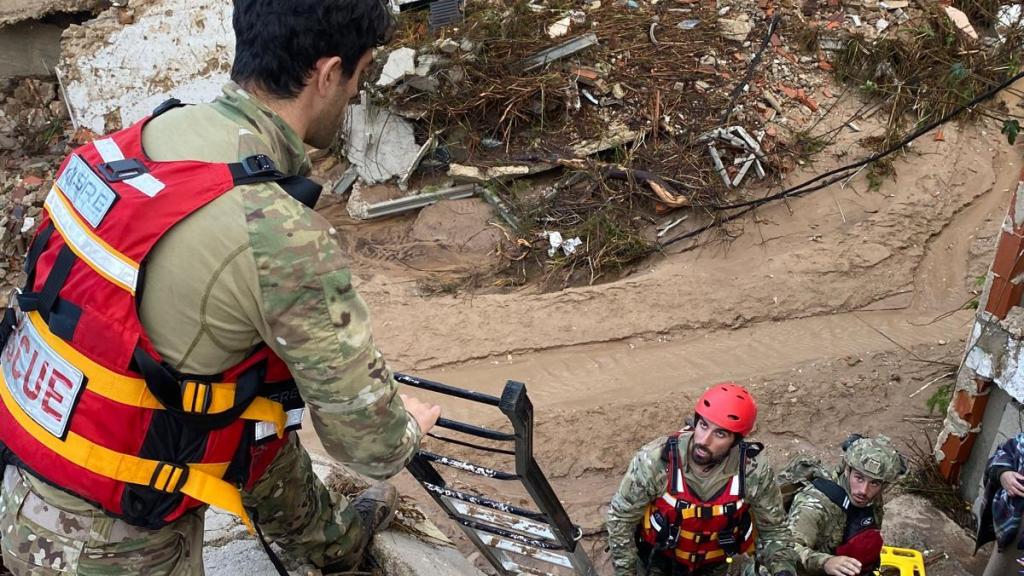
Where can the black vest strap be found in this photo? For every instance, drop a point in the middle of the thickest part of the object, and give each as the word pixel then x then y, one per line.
pixel 165 383
pixel 856 518
pixel 59 314
pixel 261 168
pixel 169 104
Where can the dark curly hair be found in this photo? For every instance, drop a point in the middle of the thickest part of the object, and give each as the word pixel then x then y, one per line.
pixel 277 43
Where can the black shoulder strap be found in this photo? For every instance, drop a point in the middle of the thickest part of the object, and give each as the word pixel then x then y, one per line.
pixel 261 168
pixel 169 104
pixel 833 491
pixel 302 189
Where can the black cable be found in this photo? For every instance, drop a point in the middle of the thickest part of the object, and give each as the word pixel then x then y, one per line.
pixel 754 63
pixel 837 174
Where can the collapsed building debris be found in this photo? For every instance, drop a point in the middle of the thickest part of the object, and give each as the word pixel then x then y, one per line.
pixel 14 11
pixel 110 81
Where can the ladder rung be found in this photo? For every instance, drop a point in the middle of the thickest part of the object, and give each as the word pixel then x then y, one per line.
pixel 485 502
pixel 478 431
pixel 444 388
pixel 506 522
pixel 468 467
pixel 507 534
pixel 527 551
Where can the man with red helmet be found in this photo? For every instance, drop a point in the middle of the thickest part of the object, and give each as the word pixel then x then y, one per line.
pixel 693 502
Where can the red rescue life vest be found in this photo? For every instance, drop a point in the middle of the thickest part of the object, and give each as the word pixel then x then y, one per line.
pixel 693 532
pixel 86 404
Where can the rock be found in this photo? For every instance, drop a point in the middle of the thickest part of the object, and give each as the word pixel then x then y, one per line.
pixel 737 29
pixel 447 45
pixel 427 84
pixel 463 225
pixel 400 63
pixel 426 63
pixel 559 28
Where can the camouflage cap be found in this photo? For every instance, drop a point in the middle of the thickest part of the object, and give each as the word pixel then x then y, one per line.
pixel 875 457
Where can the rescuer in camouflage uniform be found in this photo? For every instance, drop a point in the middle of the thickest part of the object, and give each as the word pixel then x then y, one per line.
pixel 255 266
pixel 819 525
pixel 711 457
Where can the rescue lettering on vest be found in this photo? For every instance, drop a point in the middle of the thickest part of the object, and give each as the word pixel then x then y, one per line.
pixel 45 385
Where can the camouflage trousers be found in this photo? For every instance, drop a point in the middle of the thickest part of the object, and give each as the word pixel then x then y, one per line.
pixel 41 535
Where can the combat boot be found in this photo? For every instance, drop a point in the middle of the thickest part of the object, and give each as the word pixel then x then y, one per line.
pixel 376 508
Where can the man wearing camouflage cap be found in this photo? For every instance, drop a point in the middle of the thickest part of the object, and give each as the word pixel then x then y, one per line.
pixel 836 519
pixel 184 305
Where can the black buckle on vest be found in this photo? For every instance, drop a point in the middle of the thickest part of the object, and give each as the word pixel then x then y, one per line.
pixel 119 170
pixel 260 165
pixel 702 538
pixel 174 481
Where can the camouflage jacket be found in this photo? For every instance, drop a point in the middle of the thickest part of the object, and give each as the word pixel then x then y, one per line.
pixel 817 525
pixel 646 480
pixel 256 266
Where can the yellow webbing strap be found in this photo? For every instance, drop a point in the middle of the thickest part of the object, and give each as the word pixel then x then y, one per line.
pixel 133 391
pixel 203 482
pixel 716 553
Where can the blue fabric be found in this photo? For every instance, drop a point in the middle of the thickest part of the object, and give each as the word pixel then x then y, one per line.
pixel 1006 510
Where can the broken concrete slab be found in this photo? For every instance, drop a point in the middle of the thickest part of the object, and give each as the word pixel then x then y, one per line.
pixel 29 49
pixel 13 11
pixel 110 82
pixel 400 554
pixel 380 144
pixel 401 62
pixel 737 29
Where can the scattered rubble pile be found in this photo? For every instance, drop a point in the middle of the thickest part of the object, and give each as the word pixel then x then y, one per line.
pixel 587 123
pixel 35 134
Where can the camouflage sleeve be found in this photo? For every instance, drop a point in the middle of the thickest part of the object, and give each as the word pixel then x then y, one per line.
pixel 316 322
pixel 644 481
pixel 769 518
pixel 808 519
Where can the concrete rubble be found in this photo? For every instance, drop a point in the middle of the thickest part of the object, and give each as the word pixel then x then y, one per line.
pixel 110 82
pixel 13 11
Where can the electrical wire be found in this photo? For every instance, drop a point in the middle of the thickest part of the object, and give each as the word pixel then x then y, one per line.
pixel 832 176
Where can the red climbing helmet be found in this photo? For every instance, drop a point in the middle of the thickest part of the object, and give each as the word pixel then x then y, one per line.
pixel 728 405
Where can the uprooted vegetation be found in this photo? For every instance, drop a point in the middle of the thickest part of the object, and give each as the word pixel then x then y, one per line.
pixel 929 67
pixel 617 130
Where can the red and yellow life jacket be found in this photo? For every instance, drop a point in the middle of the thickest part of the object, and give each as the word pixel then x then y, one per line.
pixel 86 403
pixel 693 532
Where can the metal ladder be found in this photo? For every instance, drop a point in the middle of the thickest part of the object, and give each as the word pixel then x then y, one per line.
pixel 544 536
